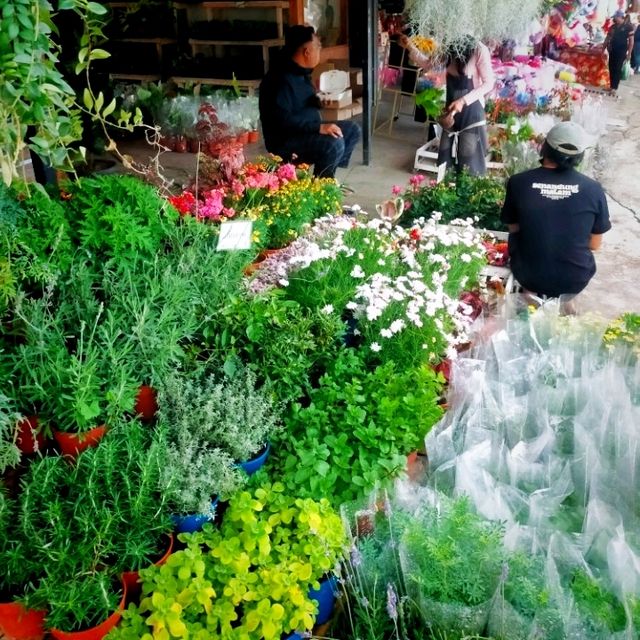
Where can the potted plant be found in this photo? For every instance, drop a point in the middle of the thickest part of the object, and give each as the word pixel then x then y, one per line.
pixel 16 621
pixel 357 428
pixel 452 562
pixel 81 526
pixel 69 376
pixel 250 578
pixel 9 434
pixel 196 470
pixel 230 411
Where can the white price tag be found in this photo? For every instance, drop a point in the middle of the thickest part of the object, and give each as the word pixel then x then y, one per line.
pixel 442 169
pixel 235 235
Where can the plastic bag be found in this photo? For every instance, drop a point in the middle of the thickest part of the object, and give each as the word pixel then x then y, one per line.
pixel 626 70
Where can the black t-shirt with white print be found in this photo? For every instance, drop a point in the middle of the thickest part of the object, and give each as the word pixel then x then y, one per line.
pixel 557 212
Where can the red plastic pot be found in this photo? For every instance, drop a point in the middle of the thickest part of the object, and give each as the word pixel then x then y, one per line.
pixel 254 136
pixel 98 632
pixel 242 138
pixel 146 404
pixel 29 438
pixel 71 444
pixel 131 579
pixel 18 623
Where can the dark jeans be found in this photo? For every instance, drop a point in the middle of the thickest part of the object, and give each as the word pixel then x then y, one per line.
pixel 325 152
pixel 616 60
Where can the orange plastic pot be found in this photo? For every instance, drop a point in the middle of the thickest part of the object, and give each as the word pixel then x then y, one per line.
pixel 98 632
pixel 29 438
pixel 18 623
pixel 146 404
pixel 71 444
pixel 131 579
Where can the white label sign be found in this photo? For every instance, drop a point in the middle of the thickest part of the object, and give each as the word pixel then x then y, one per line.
pixel 235 235
pixel 442 169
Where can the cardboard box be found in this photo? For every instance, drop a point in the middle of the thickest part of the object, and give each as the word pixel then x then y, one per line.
pixel 337 100
pixel 329 115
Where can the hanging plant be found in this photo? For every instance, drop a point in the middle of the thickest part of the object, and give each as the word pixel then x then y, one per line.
pixel 449 21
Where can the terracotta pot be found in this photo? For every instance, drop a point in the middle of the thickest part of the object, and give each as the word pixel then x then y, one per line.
pixel 98 632
pixel 29 438
pixel 254 136
pixel 146 404
pixel 71 444
pixel 131 579
pixel 250 269
pixel 18 623
pixel 181 144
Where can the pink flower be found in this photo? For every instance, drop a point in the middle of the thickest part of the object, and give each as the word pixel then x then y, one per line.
pixel 407 205
pixel 237 187
pixel 273 182
pixel 287 172
pixel 212 206
pixel 396 189
pixel 229 212
pixel 416 180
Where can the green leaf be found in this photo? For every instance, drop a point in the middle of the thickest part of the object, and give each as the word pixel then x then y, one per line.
pixel 66 4
pixel 97 9
pixel 109 109
pixel 87 99
pixel 99 54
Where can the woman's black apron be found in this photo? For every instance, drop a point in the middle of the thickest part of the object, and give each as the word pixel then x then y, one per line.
pixel 465 145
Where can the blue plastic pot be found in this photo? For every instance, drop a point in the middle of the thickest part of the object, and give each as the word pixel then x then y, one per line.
pixel 325 596
pixel 251 466
pixel 193 522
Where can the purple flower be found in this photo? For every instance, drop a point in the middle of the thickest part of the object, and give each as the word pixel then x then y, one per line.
pixel 392 602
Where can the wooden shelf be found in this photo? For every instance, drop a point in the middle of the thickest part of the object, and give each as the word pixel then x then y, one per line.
pixel 159 41
pixel 274 42
pixel 256 4
pixel 249 85
pixel 140 77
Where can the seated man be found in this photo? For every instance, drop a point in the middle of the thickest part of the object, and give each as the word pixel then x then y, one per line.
pixel 290 110
pixel 556 217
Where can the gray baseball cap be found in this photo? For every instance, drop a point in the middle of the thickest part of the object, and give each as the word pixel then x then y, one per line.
pixel 568 138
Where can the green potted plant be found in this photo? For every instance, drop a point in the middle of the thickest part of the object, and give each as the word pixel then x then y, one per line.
pixel 197 470
pixel 16 621
pixel 9 421
pixel 357 428
pixel 250 578
pixel 66 370
pixel 81 526
pixel 452 562
pixel 230 412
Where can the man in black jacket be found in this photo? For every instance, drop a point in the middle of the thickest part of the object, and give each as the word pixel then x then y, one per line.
pixel 290 110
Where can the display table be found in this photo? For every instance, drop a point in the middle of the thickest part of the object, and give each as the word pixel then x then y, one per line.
pixel 591 67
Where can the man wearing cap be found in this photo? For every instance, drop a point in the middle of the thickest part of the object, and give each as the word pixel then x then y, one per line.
pixel 618 46
pixel 290 110
pixel 556 217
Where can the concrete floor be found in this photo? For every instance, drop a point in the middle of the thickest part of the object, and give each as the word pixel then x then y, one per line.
pixel 612 291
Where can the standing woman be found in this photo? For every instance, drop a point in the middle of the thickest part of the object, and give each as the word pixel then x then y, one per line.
pixel 618 46
pixel 463 143
pixel 635 56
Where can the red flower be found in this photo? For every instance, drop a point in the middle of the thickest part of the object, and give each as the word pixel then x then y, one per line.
pixel 414 234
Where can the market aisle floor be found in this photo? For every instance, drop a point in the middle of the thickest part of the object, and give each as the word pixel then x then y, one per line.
pixel 613 290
